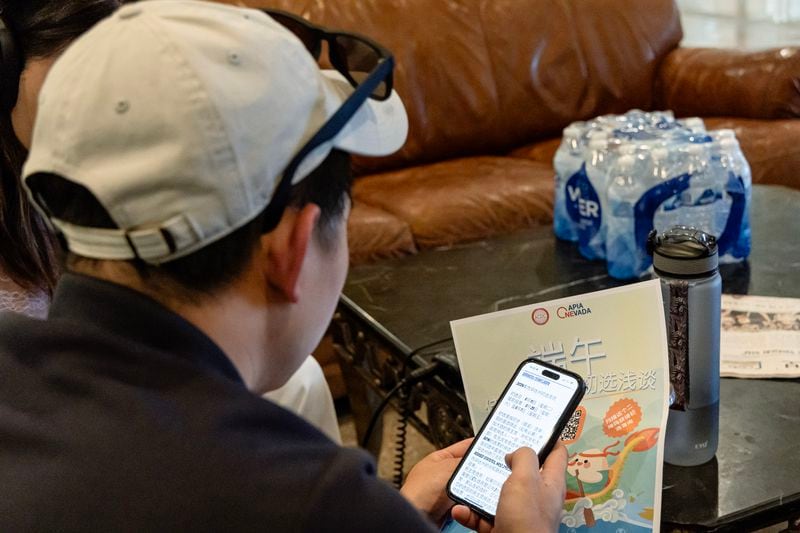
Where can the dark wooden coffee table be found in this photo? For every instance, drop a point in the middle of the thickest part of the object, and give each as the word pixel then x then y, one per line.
pixel 394 317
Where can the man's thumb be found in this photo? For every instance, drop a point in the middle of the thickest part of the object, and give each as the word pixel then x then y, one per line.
pixel 524 460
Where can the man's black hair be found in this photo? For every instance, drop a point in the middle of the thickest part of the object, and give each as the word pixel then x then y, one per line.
pixel 218 264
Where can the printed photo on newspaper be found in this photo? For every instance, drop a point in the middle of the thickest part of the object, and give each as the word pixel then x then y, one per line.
pixel 616 340
pixel 760 337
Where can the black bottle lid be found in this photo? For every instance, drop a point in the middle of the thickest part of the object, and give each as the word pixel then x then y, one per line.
pixel 683 251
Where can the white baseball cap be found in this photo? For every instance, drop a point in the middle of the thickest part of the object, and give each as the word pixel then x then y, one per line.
pixel 180 117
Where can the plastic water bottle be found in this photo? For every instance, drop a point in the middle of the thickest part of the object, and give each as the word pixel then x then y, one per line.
pixel 568 161
pixel 661 206
pixel 658 117
pixel 607 123
pixel 635 134
pixel 700 202
pixel 731 209
pixel 685 260
pixel 721 163
pixel 590 209
pixel 663 121
pixel 625 258
pixel 662 168
pixel 739 182
pixel 694 124
pixel 678 174
pixel 725 133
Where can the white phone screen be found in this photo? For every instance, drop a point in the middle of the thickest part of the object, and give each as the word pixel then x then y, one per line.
pixel 526 416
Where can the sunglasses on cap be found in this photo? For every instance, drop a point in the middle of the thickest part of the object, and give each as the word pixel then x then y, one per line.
pixel 354 56
pixel 365 64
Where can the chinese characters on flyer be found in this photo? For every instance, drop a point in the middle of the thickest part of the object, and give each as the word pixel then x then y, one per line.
pixel 616 340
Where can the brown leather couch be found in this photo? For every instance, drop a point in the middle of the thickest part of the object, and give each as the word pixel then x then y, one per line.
pixel 489 85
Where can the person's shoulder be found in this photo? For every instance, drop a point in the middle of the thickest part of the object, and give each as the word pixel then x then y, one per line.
pixel 27 330
pixel 13 322
pixel 20 338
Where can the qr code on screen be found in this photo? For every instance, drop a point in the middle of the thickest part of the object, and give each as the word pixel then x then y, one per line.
pixel 572 431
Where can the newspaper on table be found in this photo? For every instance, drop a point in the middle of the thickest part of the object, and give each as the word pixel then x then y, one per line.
pixel 760 337
pixel 616 340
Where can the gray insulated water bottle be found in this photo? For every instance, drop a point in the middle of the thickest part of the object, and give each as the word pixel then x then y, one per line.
pixel 685 259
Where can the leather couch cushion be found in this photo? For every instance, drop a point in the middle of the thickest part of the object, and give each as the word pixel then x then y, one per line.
pixel 463 199
pixel 372 233
pixel 542 151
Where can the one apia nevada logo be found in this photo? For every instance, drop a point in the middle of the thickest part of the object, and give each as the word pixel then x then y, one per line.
pixel 573 311
pixel 540 316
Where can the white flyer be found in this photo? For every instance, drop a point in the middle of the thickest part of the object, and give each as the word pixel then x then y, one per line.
pixel 616 340
pixel 760 337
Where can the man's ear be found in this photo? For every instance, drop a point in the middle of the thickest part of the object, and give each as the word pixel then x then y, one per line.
pixel 287 248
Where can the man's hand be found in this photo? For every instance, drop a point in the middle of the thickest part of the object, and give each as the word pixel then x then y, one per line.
pixel 530 500
pixel 426 482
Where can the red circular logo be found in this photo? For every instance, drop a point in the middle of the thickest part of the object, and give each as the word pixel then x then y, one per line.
pixel 540 316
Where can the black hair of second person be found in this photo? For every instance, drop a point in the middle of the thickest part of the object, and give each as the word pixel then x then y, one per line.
pixel 215 266
pixel 41 28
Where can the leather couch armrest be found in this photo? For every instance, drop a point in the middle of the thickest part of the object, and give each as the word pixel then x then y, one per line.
pixel 716 82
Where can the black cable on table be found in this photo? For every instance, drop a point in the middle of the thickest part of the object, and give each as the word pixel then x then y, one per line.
pixel 405 411
pixel 414 377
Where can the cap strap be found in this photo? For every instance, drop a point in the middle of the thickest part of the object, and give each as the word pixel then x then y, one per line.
pixel 153 244
pixel 95 243
pixel 156 243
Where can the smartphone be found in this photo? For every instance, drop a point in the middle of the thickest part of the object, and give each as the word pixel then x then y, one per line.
pixel 532 411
